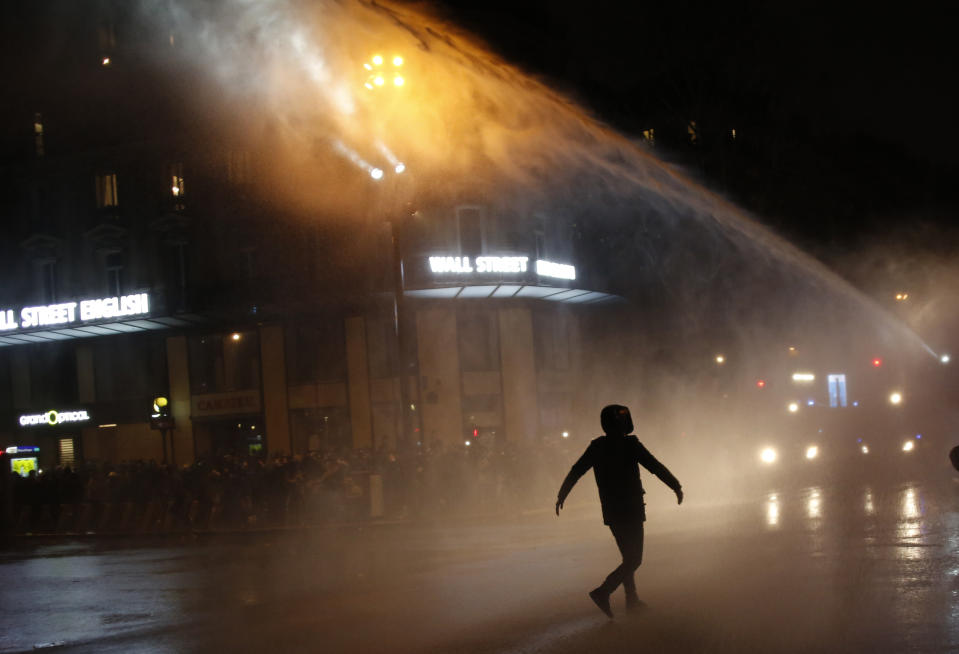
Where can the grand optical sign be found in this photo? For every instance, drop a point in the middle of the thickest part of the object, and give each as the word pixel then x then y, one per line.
pixel 70 313
pixel 53 418
pixel 499 265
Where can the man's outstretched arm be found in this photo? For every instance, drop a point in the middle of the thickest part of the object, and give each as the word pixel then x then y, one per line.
pixel 579 469
pixel 651 463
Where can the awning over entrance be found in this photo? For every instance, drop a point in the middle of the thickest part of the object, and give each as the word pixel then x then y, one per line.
pixel 551 293
pixel 104 329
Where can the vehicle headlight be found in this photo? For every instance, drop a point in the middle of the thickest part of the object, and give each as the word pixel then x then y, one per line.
pixel 767 455
pixel 908 446
pixel 812 452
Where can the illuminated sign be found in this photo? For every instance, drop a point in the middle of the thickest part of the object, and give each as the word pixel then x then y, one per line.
pixel 803 377
pixel 67 313
pixel 559 270
pixel 23 449
pixel 23 466
pixel 223 404
pixel 53 418
pixel 498 265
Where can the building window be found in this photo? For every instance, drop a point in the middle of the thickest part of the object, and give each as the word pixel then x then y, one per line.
pixel 113 264
pixel 837 390
pixel 649 135
pixel 693 132
pixel 107 190
pixel 470 227
pixel 38 134
pixel 177 185
pixel 224 362
pixel 316 353
pixel 47 278
pixel 478 338
pixel 129 369
pixel 53 374
pixel 67 457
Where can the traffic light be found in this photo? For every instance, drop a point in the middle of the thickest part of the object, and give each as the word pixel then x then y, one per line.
pixel 760 383
pixel 876 362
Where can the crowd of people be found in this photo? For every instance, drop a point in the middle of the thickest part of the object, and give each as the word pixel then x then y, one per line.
pixel 231 491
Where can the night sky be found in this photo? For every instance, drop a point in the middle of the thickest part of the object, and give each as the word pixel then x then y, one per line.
pixel 844 120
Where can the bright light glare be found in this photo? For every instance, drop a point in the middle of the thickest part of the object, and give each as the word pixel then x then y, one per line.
pixel 865 449
pixel 377 60
pixel 768 455
pixel 397 61
pixel 565 434
pixel 720 359
pixel 793 407
pixel 398 80
pixel 376 173
pixel 378 80
pixel 945 358
pixel 399 168
pixel 803 377
pixel 908 446
pixel 812 452
pixel 106 61
pixel 895 398
pixel 468 443
pixel 235 336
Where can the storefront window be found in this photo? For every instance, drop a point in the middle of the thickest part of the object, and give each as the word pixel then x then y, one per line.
pixel 321 430
pixel 224 362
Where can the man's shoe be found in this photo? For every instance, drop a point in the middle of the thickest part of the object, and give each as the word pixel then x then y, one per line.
pixel 601 599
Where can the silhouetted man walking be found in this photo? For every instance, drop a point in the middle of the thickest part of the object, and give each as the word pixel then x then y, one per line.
pixel 613 458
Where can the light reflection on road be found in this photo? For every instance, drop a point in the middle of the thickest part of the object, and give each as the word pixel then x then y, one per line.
pixel 772 510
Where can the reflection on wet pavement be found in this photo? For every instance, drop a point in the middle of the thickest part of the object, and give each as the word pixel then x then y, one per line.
pixel 858 567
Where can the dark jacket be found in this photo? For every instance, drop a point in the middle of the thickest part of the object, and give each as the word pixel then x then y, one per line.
pixel 613 460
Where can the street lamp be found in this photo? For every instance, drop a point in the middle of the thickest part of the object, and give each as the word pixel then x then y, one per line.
pixel 378 70
pixel 895 398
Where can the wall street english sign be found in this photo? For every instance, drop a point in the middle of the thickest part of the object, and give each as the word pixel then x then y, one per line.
pixel 65 314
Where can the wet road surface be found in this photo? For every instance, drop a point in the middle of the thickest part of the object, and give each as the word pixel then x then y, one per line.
pixel 813 568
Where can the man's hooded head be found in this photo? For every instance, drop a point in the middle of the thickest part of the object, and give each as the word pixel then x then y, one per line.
pixel 616 420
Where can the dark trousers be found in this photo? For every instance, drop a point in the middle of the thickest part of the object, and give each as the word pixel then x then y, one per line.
pixel 629 539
